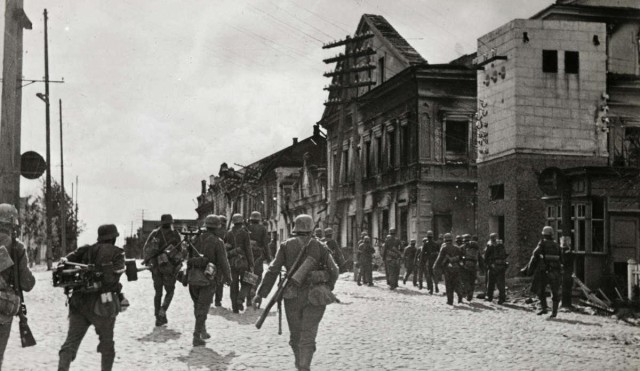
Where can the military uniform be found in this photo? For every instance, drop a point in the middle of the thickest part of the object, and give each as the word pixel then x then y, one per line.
pixel 303 317
pixel 472 259
pixel 449 259
pixel 409 255
pixel 365 255
pixel 241 260
pixel 391 256
pixel 96 308
pixel 259 240
pixel 227 239
pixel 336 251
pixel 427 258
pixel 495 258
pixel 27 281
pixel 164 277
pixel 212 250
pixel 546 266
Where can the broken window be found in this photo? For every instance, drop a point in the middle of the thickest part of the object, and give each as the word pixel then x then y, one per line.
pixel 571 62
pixel 550 61
pixel 457 136
pixel 497 192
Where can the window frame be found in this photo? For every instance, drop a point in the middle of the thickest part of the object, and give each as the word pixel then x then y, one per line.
pixel 547 58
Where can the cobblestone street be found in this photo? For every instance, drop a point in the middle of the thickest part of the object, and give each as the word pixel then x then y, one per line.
pixel 373 328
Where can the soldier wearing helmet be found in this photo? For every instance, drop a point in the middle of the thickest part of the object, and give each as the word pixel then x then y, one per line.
pixel 449 259
pixel 392 256
pixel 15 248
pixel 224 235
pixel 473 261
pixel 409 256
pixel 96 308
pixel 336 251
pixel 495 260
pixel 162 266
pixel 365 258
pixel 209 251
pixel 318 234
pixel 426 258
pixel 459 240
pixel 303 316
pixel 546 266
pixel 363 234
pixel 241 260
pixel 259 239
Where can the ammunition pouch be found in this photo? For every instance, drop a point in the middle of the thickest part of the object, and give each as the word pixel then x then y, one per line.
pixel 300 275
pixel 249 278
pixel 108 305
pixel 321 295
pixel 9 305
pixel 316 277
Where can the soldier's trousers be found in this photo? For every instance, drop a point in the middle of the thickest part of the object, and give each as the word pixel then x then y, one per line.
pixel 411 269
pixel 393 272
pixel 495 278
pixel 166 282
pixel 239 290
pixel 5 331
pixel 554 280
pixel 469 277
pixel 452 284
pixel 366 272
pixel 303 320
pixel 428 273
pixel 258 269
pixel 79 322
pixel 202 297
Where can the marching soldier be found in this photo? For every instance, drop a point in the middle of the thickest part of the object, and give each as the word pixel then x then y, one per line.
pixel 427 258
pixel 409 255
pixel 336 251
pixel 391 256
pixel 259 240
pixel 449 260
pixel 459 240
pixel 303 313
pixel 223 234
pixel 273 244
pixel 162 266
pixel 208 267
pixel 365 252
pixel 495 258
pixel 319 235
pixel 547 267
pixel 16 250
pixel 359 257
pixel 97 308
pixel 472 261
pixel 241 260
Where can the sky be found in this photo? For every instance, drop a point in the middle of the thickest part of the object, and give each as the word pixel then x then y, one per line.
pixel 157 94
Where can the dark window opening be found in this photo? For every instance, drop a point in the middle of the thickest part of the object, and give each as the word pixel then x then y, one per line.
pixel 381 69
pixel 597 208
pixel 550 61
pixel 379 154
pixel 406 144
pixel 457 136
pixel 385 223
pixel 571 62
pixel 345 165
pixel 442 224
pixel 391 145
pixel 497 192
pixel 597 236
pixel 367 159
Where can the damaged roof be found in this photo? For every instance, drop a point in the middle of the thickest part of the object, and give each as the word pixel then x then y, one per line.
pixel 380 24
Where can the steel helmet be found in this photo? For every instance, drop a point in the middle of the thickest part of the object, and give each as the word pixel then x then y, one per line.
pixel 466 237
pixel 255 215
pixel 237 219
pixel 328 232
pixel 547 231
pixel 364 233
pixel 366 239
pixel 447 237
pixel 303 224
pixel 166 219
pixel 223 219
pixel 392 231
pixel 212 221
pixel 413 242
pixel 429 233
pixel 318 232
pixel 8 214
pixel 107 232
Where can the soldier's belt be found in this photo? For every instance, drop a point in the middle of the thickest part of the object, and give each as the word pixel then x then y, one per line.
pixel 552 257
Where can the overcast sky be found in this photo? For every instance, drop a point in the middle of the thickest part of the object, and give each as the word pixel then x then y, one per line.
pixel 158 94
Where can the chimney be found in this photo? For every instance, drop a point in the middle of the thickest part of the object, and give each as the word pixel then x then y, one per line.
pixel 203 188
pixel 295 141
pixel 316 130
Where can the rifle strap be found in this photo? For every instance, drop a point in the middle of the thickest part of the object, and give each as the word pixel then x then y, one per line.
pixel 16 264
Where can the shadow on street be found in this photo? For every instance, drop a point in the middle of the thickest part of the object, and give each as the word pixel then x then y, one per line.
pixel 161 334
pixel 574 322
pixel 206 357
pixel 248 317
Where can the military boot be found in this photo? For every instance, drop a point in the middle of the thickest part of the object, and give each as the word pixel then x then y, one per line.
pixel 197 340
pixel 543 306
pixel 162 317
pixel 107 361
pixel 554 310
pixel 296 355
pixel 65 361
pixel 304 358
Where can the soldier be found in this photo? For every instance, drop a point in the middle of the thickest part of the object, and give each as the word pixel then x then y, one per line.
pixel 391 256
pixel 96 308
pixel 459 240
pixel 273 244
pixel 163 267
pixel 259 240
pixel 16 250
pixel 495 258
pixel 545 261
pixel 359 257
pixel 409 255
pixel 427 257
pixel 303 316
pixel 202 285
pixel 336 251
pixel 319 235
pixel 223 234
pixel 472 261
pixel 241 260
pixel 449 259
pixel 365 252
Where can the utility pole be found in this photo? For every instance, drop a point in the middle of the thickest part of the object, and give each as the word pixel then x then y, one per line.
pixel 76 215
pixel 63 198
pixel 47 196
pixel 347 74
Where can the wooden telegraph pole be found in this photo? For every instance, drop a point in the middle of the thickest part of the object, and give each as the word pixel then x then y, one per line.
pixel 346 76
pixel 63 200
pixel 47 196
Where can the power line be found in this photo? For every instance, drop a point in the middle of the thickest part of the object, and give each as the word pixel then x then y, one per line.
pixel 307 24
pixel 293 28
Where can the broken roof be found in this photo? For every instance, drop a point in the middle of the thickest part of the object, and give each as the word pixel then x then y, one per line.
pixel 385 29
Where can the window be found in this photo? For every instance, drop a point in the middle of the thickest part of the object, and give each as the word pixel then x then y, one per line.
pixel 379 154
pixel 391 146
pixel 550 61
pixel 588 233
pixel 457 136
pixel 367 159
pixel 385 223
pixel 580 226
pixel 597 224
pixel 571 62
pixel 381 70
pixel 406 144
pixel 497 192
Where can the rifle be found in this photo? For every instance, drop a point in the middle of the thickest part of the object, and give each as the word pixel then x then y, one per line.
pixel 26 337
pixel 282 285
pixel 279 308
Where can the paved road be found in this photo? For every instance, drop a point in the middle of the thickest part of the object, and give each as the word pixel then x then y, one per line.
pixel 373 329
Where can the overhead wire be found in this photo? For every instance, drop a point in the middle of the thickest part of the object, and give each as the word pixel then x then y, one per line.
pixel 287 25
